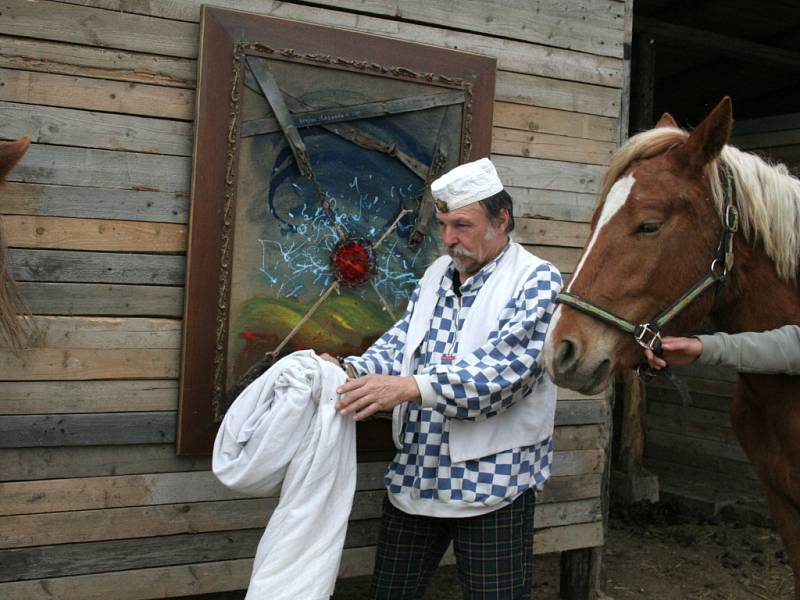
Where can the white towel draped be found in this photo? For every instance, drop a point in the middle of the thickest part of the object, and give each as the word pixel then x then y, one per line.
pixel 284 432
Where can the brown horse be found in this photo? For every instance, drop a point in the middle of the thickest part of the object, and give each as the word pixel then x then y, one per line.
pixel 12 329
pixel 656 231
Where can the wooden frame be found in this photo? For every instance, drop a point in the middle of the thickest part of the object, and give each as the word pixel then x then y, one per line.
pixel 232 43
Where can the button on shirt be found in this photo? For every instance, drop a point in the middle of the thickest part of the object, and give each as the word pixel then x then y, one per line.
pixel 421 479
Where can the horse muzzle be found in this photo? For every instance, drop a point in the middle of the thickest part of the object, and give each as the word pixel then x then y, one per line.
pixel 570 366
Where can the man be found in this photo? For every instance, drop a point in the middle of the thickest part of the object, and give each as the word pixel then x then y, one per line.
pixel 473 409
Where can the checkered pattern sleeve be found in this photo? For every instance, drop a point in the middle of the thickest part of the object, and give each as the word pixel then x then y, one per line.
pixel 487 381
pixel 385 356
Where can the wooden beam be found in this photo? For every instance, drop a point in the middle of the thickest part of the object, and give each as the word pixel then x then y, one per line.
pixel 643 66
pixel 720 45
pixel 102 299
pixel 60 233
pixel 96 267
pixel 95 203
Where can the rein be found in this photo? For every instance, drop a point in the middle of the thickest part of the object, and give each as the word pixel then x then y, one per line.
pixel 648 335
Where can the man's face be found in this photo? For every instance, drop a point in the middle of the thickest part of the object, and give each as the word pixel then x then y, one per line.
pixel 470 238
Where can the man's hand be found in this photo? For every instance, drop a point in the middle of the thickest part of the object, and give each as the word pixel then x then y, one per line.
pixel 675 351
pixel 367 395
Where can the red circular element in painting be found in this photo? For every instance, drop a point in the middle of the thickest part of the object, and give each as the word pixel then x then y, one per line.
pixel 352 261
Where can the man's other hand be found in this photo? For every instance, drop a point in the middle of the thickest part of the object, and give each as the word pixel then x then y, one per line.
pixel 367 395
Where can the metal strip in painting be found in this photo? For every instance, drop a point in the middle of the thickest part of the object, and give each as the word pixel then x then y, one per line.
pixel 369 110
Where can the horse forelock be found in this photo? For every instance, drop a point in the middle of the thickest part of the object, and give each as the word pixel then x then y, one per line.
pixel 767 195
pixel 641 146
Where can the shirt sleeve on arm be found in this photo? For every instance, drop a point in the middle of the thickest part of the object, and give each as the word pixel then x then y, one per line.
pixel 503 370
pixel 773 351
pixel 385 356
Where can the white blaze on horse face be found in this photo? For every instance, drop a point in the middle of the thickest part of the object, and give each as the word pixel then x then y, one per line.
pixel 617 196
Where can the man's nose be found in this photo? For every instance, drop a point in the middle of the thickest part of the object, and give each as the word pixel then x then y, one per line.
pixel 448 239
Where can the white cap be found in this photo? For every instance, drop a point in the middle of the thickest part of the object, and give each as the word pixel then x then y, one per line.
pixel 466 184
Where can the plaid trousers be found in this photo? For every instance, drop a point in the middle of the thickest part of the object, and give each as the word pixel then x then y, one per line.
pixel 494 552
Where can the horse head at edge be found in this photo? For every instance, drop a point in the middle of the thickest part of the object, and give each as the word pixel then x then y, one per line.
pixel 13 330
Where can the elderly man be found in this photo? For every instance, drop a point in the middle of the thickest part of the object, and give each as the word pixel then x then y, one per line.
pixel 473 409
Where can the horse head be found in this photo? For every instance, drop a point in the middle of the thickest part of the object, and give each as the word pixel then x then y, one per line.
pixel 654 233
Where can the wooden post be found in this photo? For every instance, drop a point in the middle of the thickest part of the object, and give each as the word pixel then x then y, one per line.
pixel 630 481
pixel 582 575
pixel 643 64
pixel 631 447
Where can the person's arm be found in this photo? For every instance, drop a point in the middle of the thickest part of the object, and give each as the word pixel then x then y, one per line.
pixel 773 351
pixel 384 357
pixel 503 370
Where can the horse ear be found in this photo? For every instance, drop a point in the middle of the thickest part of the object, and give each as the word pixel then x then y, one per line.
pixel 10 153
pixel 667 120
pixel 706 142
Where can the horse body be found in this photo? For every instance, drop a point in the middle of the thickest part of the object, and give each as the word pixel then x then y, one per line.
pixel 656 231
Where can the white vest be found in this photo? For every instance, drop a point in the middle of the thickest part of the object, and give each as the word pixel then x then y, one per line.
pixel 526 422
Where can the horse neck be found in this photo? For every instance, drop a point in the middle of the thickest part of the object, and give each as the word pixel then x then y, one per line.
pixel 755 298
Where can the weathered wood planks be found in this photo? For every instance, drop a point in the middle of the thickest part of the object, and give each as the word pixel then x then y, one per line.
pixel 97 216
pixel 48 89
pixel 94 234
pixel 147 427
pixel 102 299
pixel 96 267
pixel 98 203
pixel 64 165
pixel 101 63
pixel 65 397
pixel 205 577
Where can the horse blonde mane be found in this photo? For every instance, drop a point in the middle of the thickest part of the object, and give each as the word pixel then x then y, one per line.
pixel 767 195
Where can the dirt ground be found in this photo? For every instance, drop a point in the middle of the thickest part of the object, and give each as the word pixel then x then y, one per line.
pixel 658 551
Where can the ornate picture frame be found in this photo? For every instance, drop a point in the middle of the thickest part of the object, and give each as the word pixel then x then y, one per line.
pixel 310 215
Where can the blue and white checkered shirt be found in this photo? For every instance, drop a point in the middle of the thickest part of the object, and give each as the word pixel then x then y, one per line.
pixel 421 479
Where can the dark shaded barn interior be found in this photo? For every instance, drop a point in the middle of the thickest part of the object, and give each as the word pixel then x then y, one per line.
pixel 688 54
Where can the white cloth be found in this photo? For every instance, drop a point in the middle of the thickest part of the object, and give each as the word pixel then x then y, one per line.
pixel 283 432
pixel 466 184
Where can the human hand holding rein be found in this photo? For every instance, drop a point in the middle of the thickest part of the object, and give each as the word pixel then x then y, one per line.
pixel 675 351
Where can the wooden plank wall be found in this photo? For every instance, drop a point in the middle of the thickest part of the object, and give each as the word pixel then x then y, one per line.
pixel 696 442
pixel 94 503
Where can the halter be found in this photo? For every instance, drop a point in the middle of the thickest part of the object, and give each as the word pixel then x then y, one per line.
pixel 648 335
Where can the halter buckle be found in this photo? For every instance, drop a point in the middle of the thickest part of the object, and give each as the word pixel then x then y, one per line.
pixel 719 267
pixel 648 336
pixel 731 218
pixel 645 373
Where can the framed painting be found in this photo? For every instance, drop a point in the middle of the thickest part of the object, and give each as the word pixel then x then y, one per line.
pixel 311 217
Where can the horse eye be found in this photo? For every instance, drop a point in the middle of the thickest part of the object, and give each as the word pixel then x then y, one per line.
pixel 648 227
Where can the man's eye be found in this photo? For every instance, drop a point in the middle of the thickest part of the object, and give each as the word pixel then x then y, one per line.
pixel 648 227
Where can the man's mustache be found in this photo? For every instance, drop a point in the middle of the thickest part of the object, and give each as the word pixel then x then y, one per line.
pixel 455 251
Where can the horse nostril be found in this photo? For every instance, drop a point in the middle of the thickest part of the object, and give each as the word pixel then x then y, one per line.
pixel 567 356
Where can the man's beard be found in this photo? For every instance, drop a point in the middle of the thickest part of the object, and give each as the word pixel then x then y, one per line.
pixel 456 252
